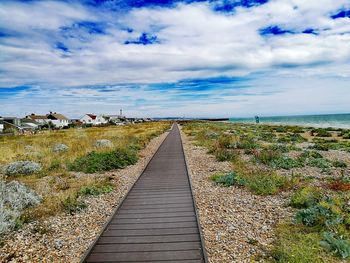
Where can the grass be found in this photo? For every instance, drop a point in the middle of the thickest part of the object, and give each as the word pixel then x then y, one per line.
pixel 305 197
pixel 56 183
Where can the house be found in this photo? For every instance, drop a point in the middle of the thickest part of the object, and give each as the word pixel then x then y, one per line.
pixel 94 119
pixel 42 119
pixel 57 119
pixel 17 124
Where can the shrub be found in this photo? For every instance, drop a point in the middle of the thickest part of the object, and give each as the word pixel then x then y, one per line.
pixel 15 197
pixel 22 168
pixel 321 133
pixel 345 135
pixel 337 246
pixel 285 162
pixel 60 147
pixel 54 165
pixel 225 155
pixel 265 182
pixel 305 197
pixel 72 204
pixel 104 161
pixel 281 129
pixel 339 164
pixel 226 141
pixel 321 146
pixel 96 189
pixel 319 162
pixel 228 179
pixel 311 154
pixel 103 143
pixel 266 156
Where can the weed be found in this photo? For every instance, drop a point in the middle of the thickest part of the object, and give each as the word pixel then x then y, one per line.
pixel 339 164
pixel 285 162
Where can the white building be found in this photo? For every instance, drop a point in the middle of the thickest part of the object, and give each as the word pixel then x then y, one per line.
pixel 94 119
pixel 1 127
pixel 58 120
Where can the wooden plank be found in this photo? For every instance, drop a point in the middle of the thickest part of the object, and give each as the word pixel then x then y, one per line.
pixel 150 232
pixel 147 247
pixel 157 215
pixel 154 220
pixel 154 226
pixel 145 256
pixel 149 239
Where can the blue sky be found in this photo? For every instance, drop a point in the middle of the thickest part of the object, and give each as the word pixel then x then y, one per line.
pixel 175 58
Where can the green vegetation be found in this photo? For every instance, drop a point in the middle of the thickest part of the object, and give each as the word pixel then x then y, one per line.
pixel 305 197
pixel 104 161
pixel 96 189
pixel 320 228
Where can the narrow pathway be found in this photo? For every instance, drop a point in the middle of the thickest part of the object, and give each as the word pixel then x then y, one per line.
pixel 157 220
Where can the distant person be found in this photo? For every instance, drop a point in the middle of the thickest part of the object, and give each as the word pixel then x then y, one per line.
pixel 257 120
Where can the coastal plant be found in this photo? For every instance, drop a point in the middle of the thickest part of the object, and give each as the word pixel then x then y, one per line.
pixel 285 162
pixel 265 182
pixel 305 197
pixel 321 133
pixel 22 168
pixel 60 147
pixel 103 143
pixel 96 189
pixel 339 164
pixel 338 246
pixel 104 161
pixel 266 156
pixel 227 179
pixel 72 204
pixel 14 198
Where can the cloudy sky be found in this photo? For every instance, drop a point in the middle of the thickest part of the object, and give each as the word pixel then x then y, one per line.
pixel 215 58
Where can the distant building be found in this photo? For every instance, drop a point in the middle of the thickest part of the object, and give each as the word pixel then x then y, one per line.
pixel 42 119
pixel 58 120
pixel 1 125
pixel 94 119
pixel 17 124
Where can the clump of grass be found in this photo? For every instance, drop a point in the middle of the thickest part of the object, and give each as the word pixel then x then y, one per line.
pixel 104 161
pixel 305 197
pixel 266 156
pixel 296 244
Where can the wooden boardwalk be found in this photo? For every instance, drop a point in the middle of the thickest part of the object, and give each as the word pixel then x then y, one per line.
pixel 157 221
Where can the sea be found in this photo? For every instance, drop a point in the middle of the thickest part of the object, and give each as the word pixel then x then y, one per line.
pixel 322 121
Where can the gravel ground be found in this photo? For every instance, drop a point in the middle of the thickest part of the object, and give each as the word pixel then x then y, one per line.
pixel 237 225
pixel 65 238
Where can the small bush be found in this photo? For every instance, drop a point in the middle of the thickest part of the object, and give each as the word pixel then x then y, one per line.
pixel 15 197
pixel 339 164
pixel 265 182
pixel 223 154
pixel 305 197
pixel 60 147
pixel 55 164
pixel 96 189
pixel 320 133
pixel 337 246
pixel 319 163
pixel 104 161
pixel 266 156
pixel 228 179
pixel 285 162
pixel 22 168
pixel 72 204
pixel 103 143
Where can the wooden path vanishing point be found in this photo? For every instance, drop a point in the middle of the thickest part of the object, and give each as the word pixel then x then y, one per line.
pixel 157 221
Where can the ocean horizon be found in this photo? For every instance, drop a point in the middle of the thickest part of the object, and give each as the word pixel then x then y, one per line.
pixel 321 120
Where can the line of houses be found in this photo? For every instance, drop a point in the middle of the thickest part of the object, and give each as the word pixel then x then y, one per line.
pixel 54 120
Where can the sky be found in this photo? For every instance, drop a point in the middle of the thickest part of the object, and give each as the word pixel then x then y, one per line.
pixel 160 58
